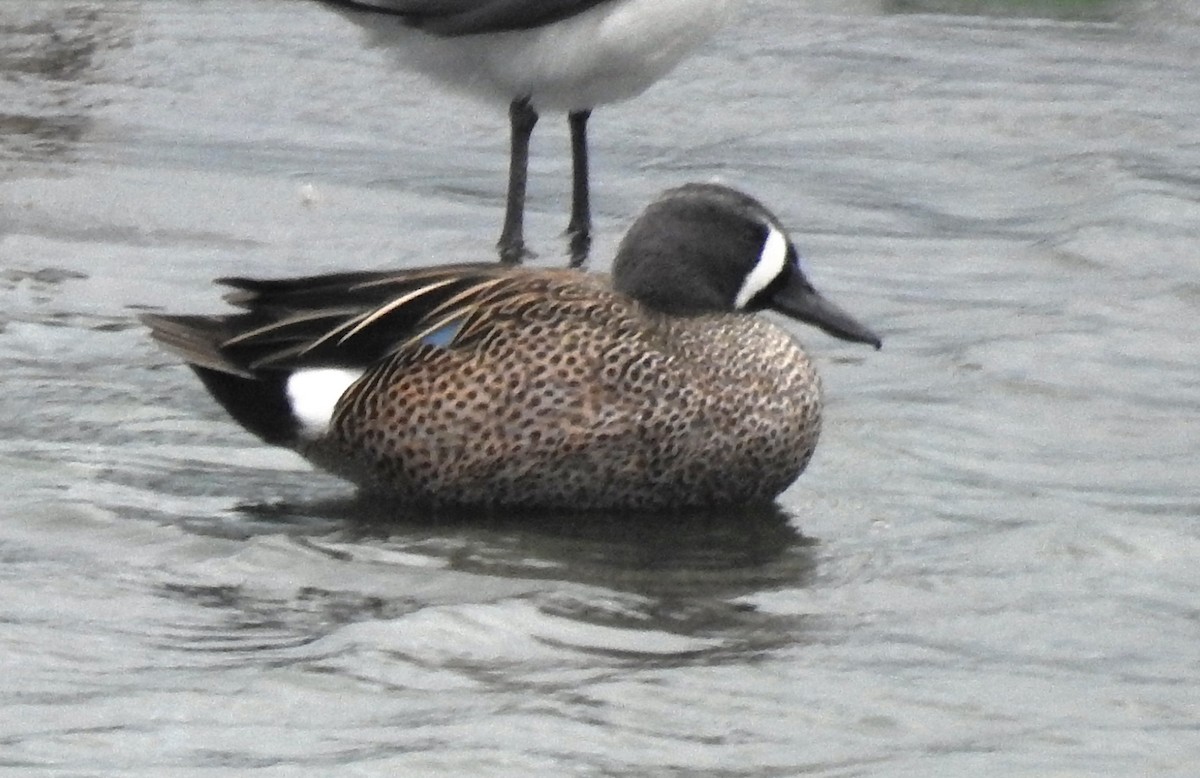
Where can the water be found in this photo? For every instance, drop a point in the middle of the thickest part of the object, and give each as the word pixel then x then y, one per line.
pixel 989 567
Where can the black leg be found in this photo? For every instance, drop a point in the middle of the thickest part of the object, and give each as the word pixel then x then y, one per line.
pixel 522 119
pixel 579 230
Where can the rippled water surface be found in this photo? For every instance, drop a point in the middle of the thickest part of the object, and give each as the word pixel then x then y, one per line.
pixel 989 568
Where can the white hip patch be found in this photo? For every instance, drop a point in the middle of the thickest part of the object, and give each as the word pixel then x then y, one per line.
pixel 314 394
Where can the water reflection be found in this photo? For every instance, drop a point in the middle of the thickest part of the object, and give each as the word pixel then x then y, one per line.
pixel 650 588
pixel 48 55
pixel 724 553
pixel 1066 10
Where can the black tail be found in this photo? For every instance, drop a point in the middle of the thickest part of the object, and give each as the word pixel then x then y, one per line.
pixel 259 403
pixel 257 400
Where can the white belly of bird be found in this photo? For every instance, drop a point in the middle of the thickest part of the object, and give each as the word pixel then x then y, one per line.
pixel 608 53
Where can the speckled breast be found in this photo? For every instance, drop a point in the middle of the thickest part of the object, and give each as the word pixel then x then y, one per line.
pixel 578 398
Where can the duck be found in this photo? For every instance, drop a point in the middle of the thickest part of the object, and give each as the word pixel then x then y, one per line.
pixel 484 386
pixel 541 55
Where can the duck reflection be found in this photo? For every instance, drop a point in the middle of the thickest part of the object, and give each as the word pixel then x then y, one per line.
pixel 476 592
pixel 723 552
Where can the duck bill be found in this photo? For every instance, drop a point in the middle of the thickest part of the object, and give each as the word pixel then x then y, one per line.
pixel 801 302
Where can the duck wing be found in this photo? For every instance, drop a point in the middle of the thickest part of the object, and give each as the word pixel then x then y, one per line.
pixel 348 320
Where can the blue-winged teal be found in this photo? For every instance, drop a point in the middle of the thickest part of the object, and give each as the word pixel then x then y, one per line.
pixel 507 386
pixel 556 55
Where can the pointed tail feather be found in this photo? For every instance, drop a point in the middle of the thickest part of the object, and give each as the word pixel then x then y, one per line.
pixel 194 339
pixel 257 401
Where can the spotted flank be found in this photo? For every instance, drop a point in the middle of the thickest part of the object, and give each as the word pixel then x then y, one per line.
pixel 499 386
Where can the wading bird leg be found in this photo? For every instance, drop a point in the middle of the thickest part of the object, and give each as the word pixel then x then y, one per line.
pixel 522 118
pixel 579 230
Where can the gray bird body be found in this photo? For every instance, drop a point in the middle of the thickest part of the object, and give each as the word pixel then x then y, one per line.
pixel 536 56
pixel 560 55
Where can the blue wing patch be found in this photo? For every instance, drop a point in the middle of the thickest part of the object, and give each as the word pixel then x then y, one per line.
pixel 443 336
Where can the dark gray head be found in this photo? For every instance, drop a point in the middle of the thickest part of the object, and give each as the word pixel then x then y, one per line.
pixel 706 248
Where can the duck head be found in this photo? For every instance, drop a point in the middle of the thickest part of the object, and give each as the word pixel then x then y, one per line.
pixel 707 248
